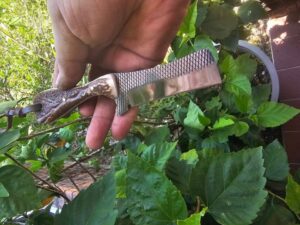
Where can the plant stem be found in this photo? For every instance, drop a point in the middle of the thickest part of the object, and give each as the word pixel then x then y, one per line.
pixel 85 169
pixel 283 200
pixel 81 160
pixel 48 189
pixel 53 129
pixel 198 204
pixel 277 196
pixel 60 192
pixel 154 122
pixel 74 184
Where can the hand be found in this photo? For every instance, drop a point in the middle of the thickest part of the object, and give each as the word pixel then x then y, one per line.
pixel 114 36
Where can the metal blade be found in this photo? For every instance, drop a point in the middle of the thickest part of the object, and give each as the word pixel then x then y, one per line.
pixel 206 77
pixel 197 70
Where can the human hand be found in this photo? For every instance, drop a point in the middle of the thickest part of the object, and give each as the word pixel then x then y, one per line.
pixel 114 36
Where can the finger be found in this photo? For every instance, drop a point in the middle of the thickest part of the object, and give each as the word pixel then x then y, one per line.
pixel 121 124
pixel 100 123
pixel 87 108
pixel 71 52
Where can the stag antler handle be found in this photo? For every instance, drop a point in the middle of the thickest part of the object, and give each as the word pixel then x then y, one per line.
pixel 57 103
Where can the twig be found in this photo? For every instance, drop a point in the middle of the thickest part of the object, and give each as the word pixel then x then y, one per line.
pixel 60 192
pixel 198 204
pixel 170 121
pixel 85 169
pixel 53 129
pixel 81 160
pixel 277 196
pixel 48 189
pixel 73 182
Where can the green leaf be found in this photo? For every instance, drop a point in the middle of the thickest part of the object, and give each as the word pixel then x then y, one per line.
pixel 231 185
pixel 191 157
pixel 188 27
pixel 253 137
pixel 245 66
pixel 179 114
pixel 238 85
pixel 3 192
pixel 55 170
pixel 58 154
pixel 119 162
pixel 184 50
pixel 29 151
pixel 66 134
pixel 228 65
pixel 273 114
pixel 22 191
pixel 222 122
pixel 157 135
pixel 202 12
pixel 204 120
pixel 194 219
pixel 7 138
pixel 120 165
pixel 231 42
pixel 158 154
pixel 232 2
pixel 214 102
pixel 152 198
pixel 70 118
pixel 293 195
pixel 260 94
pixel 92 206
pixel 192 118
pixel 42 217
pixel 4 106
pixel 213 143
pixel 251 11
pixel 240 128
pixel 274 214
pixel 35 165
pixel 120 177
pixel 131 142
pixel 244 103
pixel 179 172
pixel 204 42
pixel 220 21
pixel 220 136
pixel 276 161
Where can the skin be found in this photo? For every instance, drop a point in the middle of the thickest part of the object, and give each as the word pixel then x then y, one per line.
pixel 113 36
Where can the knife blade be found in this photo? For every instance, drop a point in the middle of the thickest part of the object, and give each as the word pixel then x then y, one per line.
pixel 195 71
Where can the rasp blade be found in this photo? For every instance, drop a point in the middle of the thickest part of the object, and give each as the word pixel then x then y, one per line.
pixel 156 82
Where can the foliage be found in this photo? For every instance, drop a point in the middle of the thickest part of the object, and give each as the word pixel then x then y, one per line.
pixel 22 195
pixel 26 44
pixel 195 158
pixel 103 194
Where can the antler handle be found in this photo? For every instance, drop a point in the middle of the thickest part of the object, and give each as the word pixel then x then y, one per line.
pixel 57 103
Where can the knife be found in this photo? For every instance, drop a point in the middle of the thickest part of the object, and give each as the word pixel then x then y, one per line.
pixel 195 71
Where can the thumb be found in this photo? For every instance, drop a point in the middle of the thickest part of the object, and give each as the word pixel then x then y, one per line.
pixel 67 73
pixel 71 52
